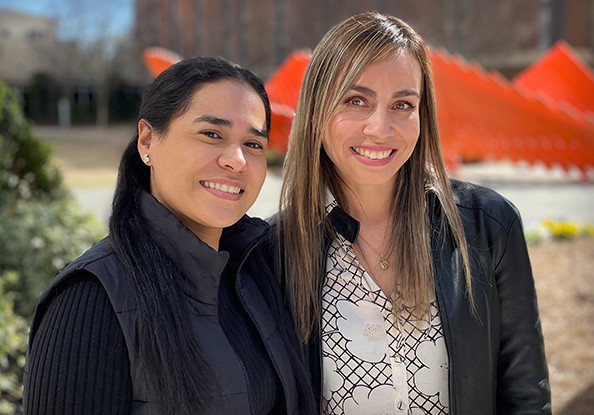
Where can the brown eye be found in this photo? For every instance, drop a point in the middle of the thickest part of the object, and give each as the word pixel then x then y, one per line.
pixel 211 134
pixel 255 145
pixel 355 101
pixel 404 105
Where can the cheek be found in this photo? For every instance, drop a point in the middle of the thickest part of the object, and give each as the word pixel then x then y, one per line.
pixel 258 166
pixel 328 149
pixel 336 132
pixel 331 141
pixel 411 130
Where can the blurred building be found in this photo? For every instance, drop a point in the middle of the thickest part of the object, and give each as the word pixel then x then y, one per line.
pixel 53 76
pixel 506 35
pixel 24 39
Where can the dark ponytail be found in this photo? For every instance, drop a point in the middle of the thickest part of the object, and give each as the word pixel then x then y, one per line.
pixel 180 379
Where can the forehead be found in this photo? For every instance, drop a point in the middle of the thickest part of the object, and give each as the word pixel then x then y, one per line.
pixel 227 97
pixel 401 70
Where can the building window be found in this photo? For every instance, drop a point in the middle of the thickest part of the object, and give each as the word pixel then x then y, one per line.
pixel 36 34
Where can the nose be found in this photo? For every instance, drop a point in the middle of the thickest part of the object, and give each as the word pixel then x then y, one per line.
pixel 232 158
pixel 378 124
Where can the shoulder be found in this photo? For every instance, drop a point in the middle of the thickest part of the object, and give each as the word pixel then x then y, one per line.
pixel 98 253
pixel 82 290
pixel 101 261
pixel 253 222
pixel 275 219
pixel 79 311
pixel 475 200
pixel 101 251
pixel 79 293
pixel 247 228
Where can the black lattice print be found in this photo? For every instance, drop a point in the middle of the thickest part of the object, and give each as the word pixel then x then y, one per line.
pixel 393 370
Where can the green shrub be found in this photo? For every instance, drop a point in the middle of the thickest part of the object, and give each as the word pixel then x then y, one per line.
pixel 38 237
pixel 25 165
pixel 41 229
pixel 13 343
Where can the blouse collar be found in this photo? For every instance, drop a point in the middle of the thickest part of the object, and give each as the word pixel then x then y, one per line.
pixel 341 222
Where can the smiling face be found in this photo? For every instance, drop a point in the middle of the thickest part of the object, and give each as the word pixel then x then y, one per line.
pixel 209 166
pixel 375 127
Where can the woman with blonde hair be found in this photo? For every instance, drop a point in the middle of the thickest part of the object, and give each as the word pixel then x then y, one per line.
pixel 413 293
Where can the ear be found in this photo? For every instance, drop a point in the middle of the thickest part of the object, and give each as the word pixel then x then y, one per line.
pixel 145 137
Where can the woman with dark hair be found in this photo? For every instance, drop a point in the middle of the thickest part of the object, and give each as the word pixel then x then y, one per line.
pixel 174 312
pixel 413 293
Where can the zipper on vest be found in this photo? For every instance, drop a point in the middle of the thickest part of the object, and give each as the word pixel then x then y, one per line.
pixel 241 300
pixel 247 383
pixel 269 356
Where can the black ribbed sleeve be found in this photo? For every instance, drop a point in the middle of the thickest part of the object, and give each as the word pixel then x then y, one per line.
pixel 78 359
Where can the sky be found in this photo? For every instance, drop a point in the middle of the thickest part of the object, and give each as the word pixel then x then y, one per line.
pixel 112 17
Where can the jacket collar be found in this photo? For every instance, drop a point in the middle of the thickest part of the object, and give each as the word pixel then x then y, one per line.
pixel 200 265
pixel 239 238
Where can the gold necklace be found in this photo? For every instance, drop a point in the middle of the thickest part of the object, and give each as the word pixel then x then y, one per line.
pixel 383 263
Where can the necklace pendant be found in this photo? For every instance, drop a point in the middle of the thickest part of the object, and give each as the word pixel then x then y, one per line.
pixel 384 264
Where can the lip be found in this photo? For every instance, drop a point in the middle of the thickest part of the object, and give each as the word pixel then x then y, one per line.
pixel 223 193
pixel 374 162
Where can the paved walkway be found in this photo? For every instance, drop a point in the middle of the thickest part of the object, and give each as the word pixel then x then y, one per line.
pixel 539 193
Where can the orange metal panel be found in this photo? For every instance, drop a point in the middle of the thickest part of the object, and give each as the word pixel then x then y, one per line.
pixel 560 76
pixel 158 59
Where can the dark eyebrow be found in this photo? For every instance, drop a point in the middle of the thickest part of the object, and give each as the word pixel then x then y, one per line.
pixel 214 120
pixel 259 133
pixel 363 90
pixel 398 94
pixel 406 93
pixel 227 123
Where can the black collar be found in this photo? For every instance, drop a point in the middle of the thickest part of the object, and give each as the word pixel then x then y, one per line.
pixel 344 224
pixel 199 264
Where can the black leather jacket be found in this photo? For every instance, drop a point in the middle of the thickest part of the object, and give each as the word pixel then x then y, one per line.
pixel 496 358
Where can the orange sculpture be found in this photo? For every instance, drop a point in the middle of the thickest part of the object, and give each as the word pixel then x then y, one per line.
pixel 482 116
pixel 283 91
pixel 560 77
pixel 158 59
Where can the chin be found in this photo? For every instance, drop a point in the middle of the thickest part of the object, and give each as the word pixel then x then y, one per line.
pixel 374 180
pixel 226 220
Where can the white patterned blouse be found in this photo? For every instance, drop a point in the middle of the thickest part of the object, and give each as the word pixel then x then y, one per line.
pixel 373 363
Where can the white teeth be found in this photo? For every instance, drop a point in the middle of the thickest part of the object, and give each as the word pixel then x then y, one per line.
pixel 222 187
pixel 375 155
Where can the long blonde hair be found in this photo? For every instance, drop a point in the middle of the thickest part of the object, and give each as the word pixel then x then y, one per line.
pixel 335 64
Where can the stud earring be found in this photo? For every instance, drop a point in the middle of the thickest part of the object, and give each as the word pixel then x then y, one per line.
pixel 146 158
